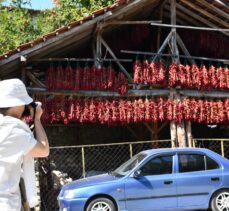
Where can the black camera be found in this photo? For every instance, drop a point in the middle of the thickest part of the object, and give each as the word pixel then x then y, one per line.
pixel 33 105
pixel 27 110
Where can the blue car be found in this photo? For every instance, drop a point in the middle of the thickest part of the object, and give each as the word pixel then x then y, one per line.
pixel 153 180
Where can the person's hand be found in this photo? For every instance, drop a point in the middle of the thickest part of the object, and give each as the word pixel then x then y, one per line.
pixel 38 112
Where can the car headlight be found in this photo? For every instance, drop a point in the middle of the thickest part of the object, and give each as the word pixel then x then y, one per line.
pixel 69 194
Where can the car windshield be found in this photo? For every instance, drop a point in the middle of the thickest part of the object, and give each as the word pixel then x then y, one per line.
pixel 129 165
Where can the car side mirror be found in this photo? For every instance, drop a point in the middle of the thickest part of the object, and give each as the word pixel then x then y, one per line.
pixel 137 173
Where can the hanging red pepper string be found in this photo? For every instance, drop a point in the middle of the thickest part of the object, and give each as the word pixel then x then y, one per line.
pixel 50 78
pixel 226 71
pixel 126 111
pixel 173 75
pixel 145 71
pixel 111 78
pixel 93 80
pixel 138 72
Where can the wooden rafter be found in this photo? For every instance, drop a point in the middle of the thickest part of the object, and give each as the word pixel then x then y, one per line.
pixel 199 18
pixel 36 81
pixel 204 12
pixel 182 17
pixel 214 9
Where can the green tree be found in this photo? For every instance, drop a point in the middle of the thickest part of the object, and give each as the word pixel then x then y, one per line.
pixel 68 11
pixel 16 24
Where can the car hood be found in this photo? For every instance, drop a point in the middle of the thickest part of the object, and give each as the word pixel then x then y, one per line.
pixel 94 180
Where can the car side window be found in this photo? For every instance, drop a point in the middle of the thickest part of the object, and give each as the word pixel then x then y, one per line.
pixel 191 162
pixel 157 166
pixel 211 164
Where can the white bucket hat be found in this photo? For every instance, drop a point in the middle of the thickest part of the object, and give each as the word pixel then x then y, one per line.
pixel 13 93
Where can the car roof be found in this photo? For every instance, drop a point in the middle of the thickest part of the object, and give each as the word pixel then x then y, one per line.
pixel 169 150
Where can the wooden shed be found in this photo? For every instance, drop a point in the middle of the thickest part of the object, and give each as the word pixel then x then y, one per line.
pixel 149 52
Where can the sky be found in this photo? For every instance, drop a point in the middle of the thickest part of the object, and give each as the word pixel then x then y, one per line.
pixel 39 4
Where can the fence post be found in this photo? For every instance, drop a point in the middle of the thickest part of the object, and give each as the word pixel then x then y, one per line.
pixel 131 151
pixel 222 148
pixel 83 162
pixel 193 143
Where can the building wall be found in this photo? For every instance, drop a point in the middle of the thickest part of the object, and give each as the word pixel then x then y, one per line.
pixel 77 134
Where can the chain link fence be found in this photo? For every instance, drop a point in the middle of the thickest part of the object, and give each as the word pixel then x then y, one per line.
pixel 221 146
pixel 69 163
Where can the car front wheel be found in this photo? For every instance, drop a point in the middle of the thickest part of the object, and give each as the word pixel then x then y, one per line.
pixel 220 201
pixel 101 204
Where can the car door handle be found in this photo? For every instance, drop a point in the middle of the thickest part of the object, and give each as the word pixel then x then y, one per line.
pixel 167 182
pixel 215 179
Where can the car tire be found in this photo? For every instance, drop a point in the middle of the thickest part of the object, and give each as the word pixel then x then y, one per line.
pixel 220 200
pixel 101 204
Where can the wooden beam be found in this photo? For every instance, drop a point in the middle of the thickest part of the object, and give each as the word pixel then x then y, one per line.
pixel 79 59
pixel 130 93
pixel 23 61
pixel 130 22
pixel 176 56
pixel 184 49
pixel 164 44
pixel 35 80
pixel 114 57
pixel 191 27
pixel 210 94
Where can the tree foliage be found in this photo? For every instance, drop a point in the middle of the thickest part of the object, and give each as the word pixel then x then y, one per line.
pixel 17 25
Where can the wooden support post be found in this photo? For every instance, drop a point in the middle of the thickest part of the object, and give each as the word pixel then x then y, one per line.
pixel 187 124
pixel 179 129
pixel 98 50
pixel 159 29
pixel 23 68
pixel 173 127
pixel 189 133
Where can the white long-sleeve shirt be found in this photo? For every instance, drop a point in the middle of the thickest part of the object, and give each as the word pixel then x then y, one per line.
pixel 16 140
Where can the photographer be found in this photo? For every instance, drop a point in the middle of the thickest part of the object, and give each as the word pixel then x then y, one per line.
pixel 17 140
